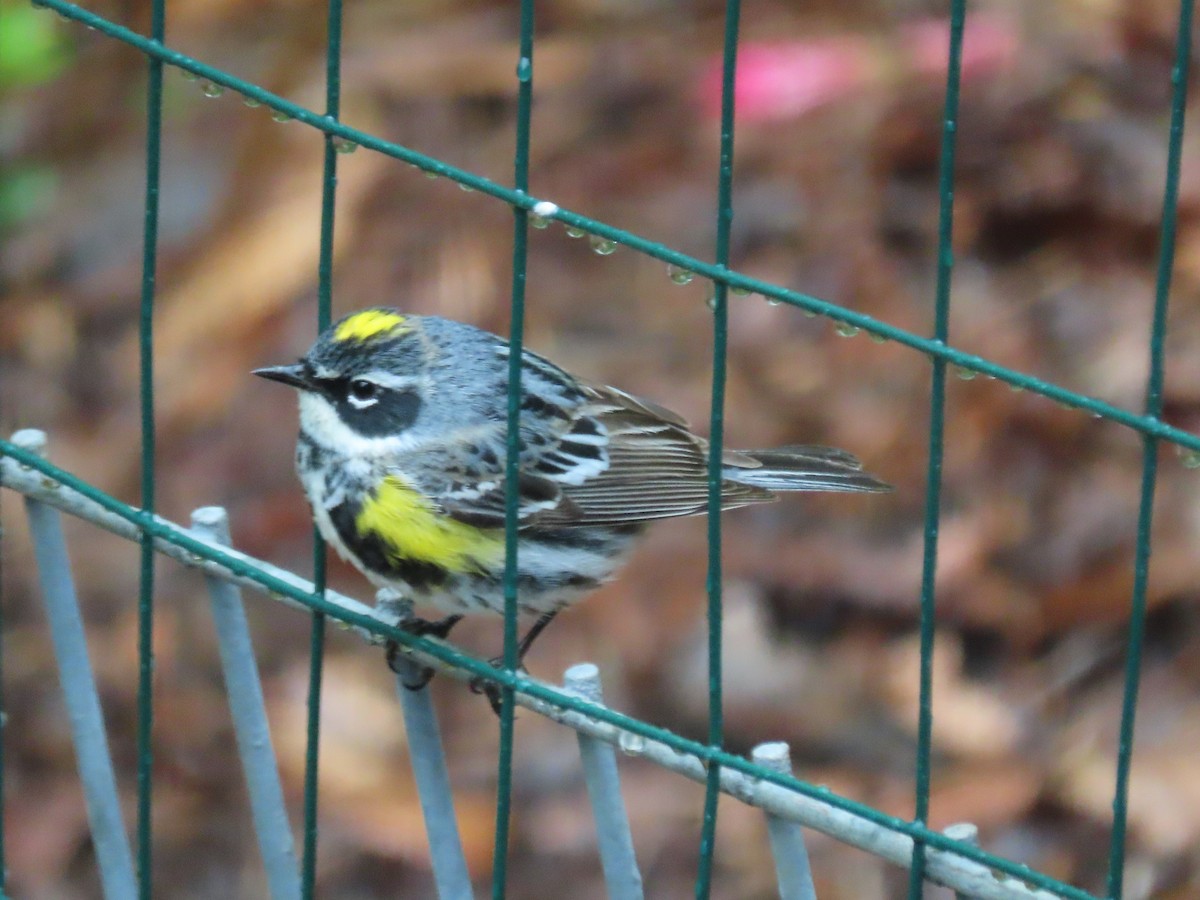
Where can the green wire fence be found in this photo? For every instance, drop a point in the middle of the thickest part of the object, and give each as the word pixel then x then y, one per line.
pixel 763 781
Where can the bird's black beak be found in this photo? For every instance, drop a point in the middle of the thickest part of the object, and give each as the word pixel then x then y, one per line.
pixel 293 376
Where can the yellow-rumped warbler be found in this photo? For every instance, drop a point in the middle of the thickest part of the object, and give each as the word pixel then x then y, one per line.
pixel 402 456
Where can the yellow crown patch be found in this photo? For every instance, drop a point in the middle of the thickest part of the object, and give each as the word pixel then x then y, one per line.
pixel 371 323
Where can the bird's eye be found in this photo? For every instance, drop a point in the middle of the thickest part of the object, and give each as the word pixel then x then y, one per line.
pixel 363 390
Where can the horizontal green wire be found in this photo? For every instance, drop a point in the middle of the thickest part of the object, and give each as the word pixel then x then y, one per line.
pixel 1149 425
pixel 180 538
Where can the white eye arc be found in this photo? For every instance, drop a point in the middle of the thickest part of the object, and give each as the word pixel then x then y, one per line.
pixel 362 393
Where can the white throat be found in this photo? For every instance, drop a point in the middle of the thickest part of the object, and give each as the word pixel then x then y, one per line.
pixel 320 421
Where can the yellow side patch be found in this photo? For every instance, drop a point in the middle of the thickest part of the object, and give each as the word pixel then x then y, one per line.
pixel 370 323
pixel 407 523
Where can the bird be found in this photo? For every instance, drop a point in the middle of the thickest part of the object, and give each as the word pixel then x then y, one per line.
pixel 402 451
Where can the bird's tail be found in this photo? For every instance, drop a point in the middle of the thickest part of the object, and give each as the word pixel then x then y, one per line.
pixel 801 468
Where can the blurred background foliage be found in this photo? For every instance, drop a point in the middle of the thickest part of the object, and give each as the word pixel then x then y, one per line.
pixel 1062 152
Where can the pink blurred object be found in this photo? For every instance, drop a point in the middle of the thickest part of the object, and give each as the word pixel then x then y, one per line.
pixel 785 81
pixel 989 46
pixel 777 81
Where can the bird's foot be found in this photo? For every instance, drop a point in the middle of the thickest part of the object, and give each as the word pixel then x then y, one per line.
pixel 398 663
pixel 490 689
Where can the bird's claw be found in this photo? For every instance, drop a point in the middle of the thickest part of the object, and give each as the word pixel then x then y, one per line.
pixel 490 689
pixel 398 663
pixel 404 667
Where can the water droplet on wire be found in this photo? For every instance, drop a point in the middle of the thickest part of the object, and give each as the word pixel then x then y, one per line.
pixel 574 232
pixel 680 275
pixel 846 330
pixel 280 116
pixel 741 291
pixel 212 89
pixel 251 102
pixel 184 73
pixel 964 374
pixel 1189 458
pixel 631 744
pixel 539 222
pixel 603 245
pixel 344 145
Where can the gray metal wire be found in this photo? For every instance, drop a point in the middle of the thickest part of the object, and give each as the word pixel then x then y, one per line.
pixel 786 809
pixel 249 712
pixel 429 772
pixel 787 838
pixel 113 854
pixel 621 874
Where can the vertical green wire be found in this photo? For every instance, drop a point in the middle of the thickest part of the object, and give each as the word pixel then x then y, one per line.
pixel 716 723
pixel 316 654
pixel 145 692
pixel 937 427
pixel 1154 404
pixel 3 708
pixel 511 462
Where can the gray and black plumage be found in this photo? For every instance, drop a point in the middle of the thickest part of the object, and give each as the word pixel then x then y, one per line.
pixel 402 456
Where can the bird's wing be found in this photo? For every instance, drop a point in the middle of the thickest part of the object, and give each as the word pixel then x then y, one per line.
pixel 657 468
pixel 612 459
pixel 806 467
pixel 482 505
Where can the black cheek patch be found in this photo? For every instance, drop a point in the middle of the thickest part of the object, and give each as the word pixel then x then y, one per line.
pixel 395 412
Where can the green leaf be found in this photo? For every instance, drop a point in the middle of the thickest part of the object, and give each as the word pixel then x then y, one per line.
pixel 33 49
